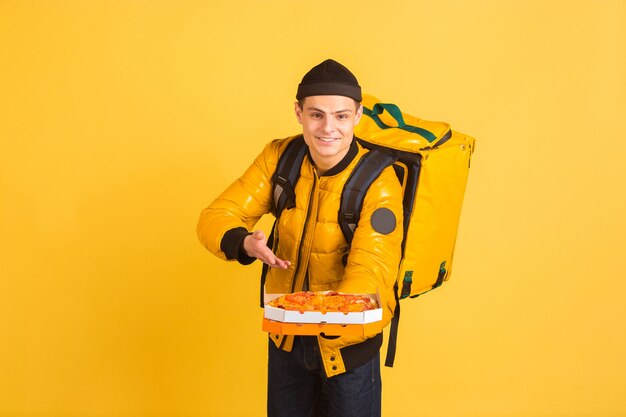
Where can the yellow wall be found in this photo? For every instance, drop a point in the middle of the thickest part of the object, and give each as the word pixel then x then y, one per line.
pixel 121 120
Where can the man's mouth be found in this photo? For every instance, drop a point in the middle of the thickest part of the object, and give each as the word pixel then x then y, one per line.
pixel 327 140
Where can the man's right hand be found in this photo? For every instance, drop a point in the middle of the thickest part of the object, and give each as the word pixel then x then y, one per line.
pixel 255 245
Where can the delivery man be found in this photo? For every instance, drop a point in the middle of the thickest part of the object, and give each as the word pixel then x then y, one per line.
pixel 317 375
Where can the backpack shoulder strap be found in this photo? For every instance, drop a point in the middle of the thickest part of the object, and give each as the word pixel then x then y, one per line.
pixel 287 174
pixel 365 173
pixel 284 182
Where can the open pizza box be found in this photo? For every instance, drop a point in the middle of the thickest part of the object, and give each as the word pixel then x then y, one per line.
pixel 330 323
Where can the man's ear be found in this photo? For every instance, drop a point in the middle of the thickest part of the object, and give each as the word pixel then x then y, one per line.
pixel 298 111
pixel 358 114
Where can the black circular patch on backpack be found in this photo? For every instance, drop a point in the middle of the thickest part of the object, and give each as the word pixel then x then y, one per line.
pixel 383 221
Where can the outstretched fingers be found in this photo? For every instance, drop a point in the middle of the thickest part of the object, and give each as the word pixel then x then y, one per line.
pixel 256 245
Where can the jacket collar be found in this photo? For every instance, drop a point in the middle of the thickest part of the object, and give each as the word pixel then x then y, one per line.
pixel 341 165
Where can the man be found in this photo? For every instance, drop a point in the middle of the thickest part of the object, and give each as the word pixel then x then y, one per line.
pixel 317 375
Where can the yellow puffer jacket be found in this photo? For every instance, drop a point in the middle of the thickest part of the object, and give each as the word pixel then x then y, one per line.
pixel 309 236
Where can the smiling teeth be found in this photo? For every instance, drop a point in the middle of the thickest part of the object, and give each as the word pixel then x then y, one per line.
pixel 326 139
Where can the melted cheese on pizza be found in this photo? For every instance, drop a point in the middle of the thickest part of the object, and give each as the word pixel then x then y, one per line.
pixel 324 301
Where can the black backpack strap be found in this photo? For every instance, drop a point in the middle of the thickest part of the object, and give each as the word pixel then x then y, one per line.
pixel 393 331
pixel 395 320
pixel 287 174
pixel 365 173
pixel 265 268
pixel 284 182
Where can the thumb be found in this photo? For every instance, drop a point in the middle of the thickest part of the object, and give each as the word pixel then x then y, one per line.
pixel 258 235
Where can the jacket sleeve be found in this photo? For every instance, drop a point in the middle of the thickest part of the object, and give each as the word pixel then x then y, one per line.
pixel 375 251
pixel 230 217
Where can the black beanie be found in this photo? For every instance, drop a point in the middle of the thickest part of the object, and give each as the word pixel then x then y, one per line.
pixel 329 78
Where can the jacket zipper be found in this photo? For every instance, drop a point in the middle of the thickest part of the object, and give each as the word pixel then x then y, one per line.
pixel 300 246
pixel 304 230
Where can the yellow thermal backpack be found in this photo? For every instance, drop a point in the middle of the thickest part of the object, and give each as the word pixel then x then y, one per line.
pixel 432 163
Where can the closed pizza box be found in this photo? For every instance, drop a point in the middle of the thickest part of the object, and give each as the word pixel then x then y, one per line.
pixel 280 321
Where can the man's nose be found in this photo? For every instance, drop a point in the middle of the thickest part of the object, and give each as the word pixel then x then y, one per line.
pixel 329 125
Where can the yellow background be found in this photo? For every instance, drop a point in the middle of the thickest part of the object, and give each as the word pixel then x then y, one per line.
pixel 121 120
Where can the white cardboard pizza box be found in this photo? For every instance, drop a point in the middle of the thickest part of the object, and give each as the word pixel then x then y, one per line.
pixel 318 317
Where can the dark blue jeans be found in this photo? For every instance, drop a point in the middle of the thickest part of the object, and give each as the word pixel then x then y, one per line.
pixel 298 387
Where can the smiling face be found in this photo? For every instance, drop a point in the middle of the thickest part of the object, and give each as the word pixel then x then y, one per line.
pixel 328 127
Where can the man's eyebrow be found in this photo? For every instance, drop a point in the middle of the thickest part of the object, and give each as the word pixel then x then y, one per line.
pixel 322 111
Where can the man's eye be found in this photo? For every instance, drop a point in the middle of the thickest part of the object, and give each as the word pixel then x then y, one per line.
pixel 343 116
pixel 316 115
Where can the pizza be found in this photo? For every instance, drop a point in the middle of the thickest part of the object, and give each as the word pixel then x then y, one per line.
pixel 325 301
